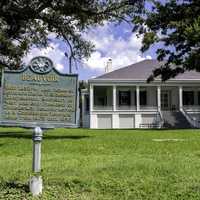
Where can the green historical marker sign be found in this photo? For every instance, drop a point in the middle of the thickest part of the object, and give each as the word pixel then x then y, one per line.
pixel 38 95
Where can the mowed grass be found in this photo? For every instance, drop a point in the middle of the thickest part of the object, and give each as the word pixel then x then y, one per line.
pixel 81 164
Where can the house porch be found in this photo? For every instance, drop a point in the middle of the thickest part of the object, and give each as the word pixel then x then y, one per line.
pixel 131 106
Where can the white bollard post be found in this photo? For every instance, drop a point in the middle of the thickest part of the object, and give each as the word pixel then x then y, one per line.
pixel 35 184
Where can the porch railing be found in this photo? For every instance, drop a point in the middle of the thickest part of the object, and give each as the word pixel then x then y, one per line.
pixel 194 122
pixel 148 107
pixel 191 107
pixel 106 107
pixel 161 122
pixel 125 108
pixel 158 123
pixel 151 125
pixel 131 107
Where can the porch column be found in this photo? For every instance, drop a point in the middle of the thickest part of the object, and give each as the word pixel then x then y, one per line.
pixel 91 97
pixel 114 98
pixel 137 98
pixel 180 97
pixel 158 98
pixel 83 106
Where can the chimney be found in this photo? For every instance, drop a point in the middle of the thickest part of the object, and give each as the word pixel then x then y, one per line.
pixel 108 67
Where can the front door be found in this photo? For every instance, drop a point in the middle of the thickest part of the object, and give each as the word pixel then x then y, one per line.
pixel 165 100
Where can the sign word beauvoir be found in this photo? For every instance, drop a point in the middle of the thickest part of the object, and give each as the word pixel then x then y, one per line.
pixel 38 94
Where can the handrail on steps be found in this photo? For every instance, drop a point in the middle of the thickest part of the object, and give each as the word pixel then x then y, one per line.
pixel 161 119
pixel 193 122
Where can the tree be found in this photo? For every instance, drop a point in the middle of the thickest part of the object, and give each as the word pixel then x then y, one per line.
pixel 27 23
pixel 175 25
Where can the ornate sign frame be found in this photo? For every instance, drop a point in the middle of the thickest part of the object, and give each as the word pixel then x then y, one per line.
pixel 39 95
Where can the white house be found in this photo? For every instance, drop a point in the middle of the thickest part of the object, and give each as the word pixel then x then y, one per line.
pixel 123 99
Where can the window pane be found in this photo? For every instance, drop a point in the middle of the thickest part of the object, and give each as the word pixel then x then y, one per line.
pixel 198 97
pixel 124 98
pixel 188 98
pixel 103 95
pixel 143 98
pixel 87 104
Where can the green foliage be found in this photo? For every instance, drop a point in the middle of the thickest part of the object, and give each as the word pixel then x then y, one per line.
pixel 175 25
pixel 103 164
pixel 27 23
pixel 148 39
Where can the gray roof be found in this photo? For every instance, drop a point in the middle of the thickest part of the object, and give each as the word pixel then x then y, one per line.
pixel 142 70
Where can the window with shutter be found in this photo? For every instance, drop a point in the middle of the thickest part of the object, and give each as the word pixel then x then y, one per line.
pixel 124 98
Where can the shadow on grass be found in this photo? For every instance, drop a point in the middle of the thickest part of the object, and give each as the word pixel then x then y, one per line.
pixel 18 186
pixel 28 135
pixel 2 144
pixel 145 129
pixel 17 134
pixel 71 137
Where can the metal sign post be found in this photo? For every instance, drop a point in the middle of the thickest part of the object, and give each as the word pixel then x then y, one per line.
pixel 35 184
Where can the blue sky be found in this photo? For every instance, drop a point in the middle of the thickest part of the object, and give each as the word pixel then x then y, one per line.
pixel 111 41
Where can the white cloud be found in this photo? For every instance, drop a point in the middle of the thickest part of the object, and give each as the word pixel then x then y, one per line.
pixel 122 47
pixel 59 67
pixel 52 51
pixel 123 50
pixel 97 56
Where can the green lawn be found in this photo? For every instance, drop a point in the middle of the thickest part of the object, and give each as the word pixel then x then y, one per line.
pixel 81 164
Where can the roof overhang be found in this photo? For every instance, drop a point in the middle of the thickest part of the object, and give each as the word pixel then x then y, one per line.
pixel 158 81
